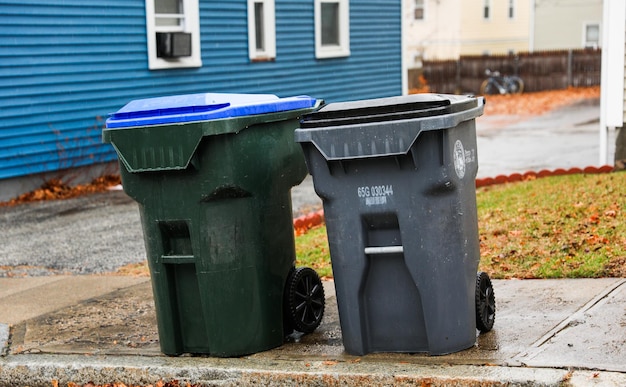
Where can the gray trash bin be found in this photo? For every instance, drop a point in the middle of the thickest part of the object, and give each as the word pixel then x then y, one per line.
pixel 397 180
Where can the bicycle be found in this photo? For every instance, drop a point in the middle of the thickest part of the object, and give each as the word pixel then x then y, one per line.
pixel 501 84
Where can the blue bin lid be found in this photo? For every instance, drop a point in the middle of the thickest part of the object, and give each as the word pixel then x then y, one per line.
pixel 201 107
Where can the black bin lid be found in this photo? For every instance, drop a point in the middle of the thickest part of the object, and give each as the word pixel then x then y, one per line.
pixel 387 109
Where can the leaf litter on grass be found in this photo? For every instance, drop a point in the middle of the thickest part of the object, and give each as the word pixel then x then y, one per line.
pixel 554 227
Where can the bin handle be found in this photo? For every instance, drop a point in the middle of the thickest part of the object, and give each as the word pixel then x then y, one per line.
pixel 384 250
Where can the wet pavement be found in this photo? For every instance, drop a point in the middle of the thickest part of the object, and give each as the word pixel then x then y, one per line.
pixel 583 328
pixel 564 138
pixel 58 326
pixel 546 332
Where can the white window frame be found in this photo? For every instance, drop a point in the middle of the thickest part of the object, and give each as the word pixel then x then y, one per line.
pixel 191 24
pixel 269 31
pixel 511 8
pixel 343 48
pixel 423 8
pixel 585 41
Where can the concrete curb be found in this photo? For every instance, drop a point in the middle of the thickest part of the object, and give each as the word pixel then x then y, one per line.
pixel 501 179
pixel 42 370
pixel 4 339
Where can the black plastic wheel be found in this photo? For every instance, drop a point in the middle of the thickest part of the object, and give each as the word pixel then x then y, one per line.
pixel 485 303
pixel 304 300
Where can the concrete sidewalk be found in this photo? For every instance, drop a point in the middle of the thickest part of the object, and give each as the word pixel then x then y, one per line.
pixel 103 329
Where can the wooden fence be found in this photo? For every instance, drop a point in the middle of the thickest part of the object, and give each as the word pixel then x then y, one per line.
pixel 544 70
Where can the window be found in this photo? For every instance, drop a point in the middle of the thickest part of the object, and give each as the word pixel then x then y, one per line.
pixel 418 13
pixel 332 28
pixel 173 32
pixel 511 9
pixel 592 35
pixel 486 9
pixel 261 30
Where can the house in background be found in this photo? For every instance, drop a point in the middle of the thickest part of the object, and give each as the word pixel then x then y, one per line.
pixel 66 65
pixel 447 29
pixel 566 24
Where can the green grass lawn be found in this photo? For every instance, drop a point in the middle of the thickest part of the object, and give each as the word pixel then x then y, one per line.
pixel 556 227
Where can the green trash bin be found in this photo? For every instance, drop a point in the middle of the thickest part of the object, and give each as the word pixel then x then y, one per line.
pixel 212 174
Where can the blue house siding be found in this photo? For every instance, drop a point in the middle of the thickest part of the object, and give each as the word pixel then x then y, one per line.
pixel 56 65
pixel 65 65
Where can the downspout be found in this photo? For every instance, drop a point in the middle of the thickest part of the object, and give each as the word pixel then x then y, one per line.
pixel 531 32
pixel 612 72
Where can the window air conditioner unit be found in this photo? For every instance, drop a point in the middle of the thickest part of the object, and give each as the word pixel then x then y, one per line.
pixel 173 44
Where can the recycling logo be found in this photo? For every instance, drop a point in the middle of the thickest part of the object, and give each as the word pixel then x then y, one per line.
pixel 459 159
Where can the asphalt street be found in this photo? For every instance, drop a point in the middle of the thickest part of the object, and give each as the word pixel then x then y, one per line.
pixel 564 138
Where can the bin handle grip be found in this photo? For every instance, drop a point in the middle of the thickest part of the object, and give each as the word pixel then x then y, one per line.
pixel 384 250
